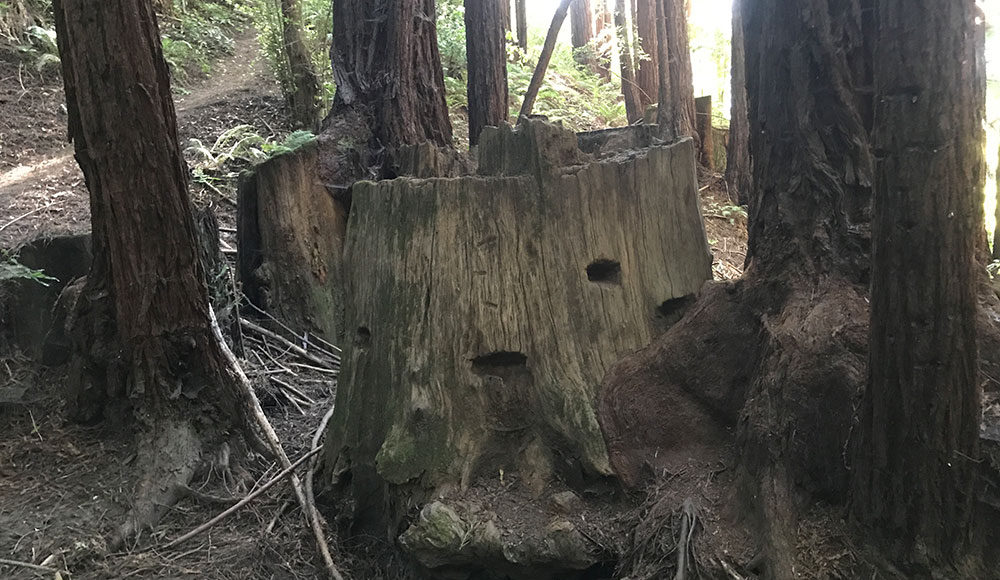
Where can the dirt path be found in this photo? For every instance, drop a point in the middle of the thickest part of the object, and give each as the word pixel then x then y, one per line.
pixel 41 187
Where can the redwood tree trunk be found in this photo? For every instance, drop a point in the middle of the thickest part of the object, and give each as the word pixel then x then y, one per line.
pixel 146 273
pixel 386 64
pixel 303 94
pixel 647 62
pixel 681 77
pixel 604 35
pixel 738 149
pixel 485 43
pixel 630 90
pixel 581 23
pixel 521 15
pixel 918 441
pixel 777 358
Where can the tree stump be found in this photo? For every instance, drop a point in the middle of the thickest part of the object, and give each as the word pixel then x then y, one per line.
pixel 486 310
pixel 290 236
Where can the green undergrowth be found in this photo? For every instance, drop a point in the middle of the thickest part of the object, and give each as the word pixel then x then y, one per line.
pixel 572 94
pixel 317 32
pixel 196 33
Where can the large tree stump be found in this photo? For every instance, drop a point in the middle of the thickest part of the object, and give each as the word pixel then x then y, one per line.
pixel 486 310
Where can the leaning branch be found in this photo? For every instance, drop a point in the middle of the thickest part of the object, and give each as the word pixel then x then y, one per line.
pixel 543 61
pixel 312 514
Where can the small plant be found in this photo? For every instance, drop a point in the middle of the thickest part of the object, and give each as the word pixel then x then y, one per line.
pixel 11 269
pixel 243 144
pixel 41 48
pixel 728 212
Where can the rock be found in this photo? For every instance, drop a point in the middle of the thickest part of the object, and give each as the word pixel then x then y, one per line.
pixel 567 502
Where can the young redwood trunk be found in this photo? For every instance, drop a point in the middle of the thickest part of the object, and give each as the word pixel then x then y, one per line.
pixel 604 35
pixel 521 15
pixel 630 89
pixel 665 117
pixel 581 23
pixel 387 65
pixel 647 64
pixel 738 149
pixel 485 43
pixel 303 95
pixel 146 272
pixel 681 78
pixel 915 461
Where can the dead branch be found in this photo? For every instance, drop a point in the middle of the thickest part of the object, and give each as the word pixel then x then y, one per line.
pixel 291 345
pixel 543 61
pixel 249 498
pixel 272 438
pixel 28 565
pixel 317 437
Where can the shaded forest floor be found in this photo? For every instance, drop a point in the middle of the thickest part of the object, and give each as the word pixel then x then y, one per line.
pixel 64 488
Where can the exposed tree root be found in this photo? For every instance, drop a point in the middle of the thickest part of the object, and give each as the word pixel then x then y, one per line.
pixel 780 366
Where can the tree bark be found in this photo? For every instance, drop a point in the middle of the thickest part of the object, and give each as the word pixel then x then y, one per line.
pixel 486 51
pixel 681 77
pixel 303 94
pixel 581 24
pixel 647 76
pixel 665 117
pixel 630 90
pixel 915 458
pixel 738 149
pixel 146 289
pixel 386 64
pixel 521 15
pixel 538 77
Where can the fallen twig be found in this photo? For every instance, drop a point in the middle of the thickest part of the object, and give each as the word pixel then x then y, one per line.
pixel 24 215
pixel 271 317
pixel 291 345
pixel 317 437
pixel 317 369
pixel 28 565
pixel 249 498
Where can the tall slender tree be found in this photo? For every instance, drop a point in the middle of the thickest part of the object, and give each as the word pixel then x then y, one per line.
pixel 521 16
pixel 647 61
pixel 144 324
pixel 486 50
pixel 738 149
pixel 681 76
pixel 915 458
pixel 630 90
pixel 581 23
pixel 387 66
pixel 303 84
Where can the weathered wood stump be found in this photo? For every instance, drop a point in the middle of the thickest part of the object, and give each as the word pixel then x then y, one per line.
pixel 290 235
pixel 486 310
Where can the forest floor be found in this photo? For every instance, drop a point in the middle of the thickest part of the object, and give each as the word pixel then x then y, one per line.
pixel 41 181
pixel 64 488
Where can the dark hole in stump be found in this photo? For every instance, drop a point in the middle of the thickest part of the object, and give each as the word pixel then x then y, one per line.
pixel 363 338
pixel 671 311
pixel 499 359
pixel 605 271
